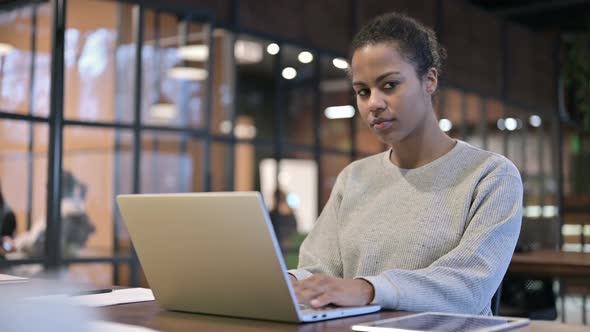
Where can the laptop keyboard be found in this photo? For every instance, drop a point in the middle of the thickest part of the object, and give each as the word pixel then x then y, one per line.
pixel 308 307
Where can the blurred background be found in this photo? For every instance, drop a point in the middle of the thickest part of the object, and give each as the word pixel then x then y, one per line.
pixel 100 98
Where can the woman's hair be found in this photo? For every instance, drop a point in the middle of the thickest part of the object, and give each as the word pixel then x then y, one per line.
pixel 416 42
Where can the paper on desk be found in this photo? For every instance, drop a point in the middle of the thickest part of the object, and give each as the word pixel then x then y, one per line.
pixel 117 296
pixel 8 279
pixel 99 326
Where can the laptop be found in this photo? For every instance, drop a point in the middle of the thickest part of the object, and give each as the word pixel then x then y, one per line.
pixel 216 253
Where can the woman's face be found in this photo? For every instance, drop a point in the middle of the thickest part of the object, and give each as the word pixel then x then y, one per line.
pixel 390 97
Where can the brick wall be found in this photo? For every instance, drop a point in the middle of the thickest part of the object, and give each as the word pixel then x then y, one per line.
pixel 424 11
pixel 473 42
pixel 321 24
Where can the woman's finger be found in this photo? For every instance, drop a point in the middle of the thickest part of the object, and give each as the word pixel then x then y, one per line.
pixel 304 295
pixel 323 300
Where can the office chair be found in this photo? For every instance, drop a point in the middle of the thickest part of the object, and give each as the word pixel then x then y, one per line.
pixel 528 295
pixel 496 301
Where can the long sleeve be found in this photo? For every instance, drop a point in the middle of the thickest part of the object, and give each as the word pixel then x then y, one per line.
pixel 320 251
pixel 464 279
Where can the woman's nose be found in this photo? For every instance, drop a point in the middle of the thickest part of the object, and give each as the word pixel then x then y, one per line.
pixel 376 102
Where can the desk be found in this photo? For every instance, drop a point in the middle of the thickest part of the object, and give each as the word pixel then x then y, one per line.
pixel 551 263
pixel 149 314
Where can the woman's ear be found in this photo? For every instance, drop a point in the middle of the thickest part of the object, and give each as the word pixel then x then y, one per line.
pixel 430 81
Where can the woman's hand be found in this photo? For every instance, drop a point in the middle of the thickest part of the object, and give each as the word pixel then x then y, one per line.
pixel 321 290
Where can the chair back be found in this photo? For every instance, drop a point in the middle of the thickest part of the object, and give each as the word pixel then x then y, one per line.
pixel 496 301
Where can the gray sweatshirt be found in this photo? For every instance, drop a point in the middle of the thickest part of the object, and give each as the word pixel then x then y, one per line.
pixel 435 238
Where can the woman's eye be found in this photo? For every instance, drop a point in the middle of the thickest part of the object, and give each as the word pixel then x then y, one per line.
pixel 390 85
pixel 362 92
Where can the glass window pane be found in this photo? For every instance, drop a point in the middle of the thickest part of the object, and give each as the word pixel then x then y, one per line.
pixel 336 108
pixel 99 275
pixel 14 163
pixel 170 163
pixel 174 77
pixel 23 169
pixel 124 106
pixel 39 182
pixel 295 212
pixel 514 124
pixel 16 32
pixel 532 181
pixel 243 168
pixel 549 156
pixel 249 174
pixel 194 176
pixel 438 102
pixel 297 178
pixel 297 109
pixel 224 76
pixel 451 109
pixel 222 168
pixel 332 165
pixel 122 184
pixel 256 88
pixel 96 52
pixel 473 120
pixel 96 167
pixel 123 273
pixel 495 125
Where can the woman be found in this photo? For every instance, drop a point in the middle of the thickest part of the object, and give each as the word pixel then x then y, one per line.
pixel 429 225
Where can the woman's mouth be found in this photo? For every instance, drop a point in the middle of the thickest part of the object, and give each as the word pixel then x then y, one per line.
pixel 382 124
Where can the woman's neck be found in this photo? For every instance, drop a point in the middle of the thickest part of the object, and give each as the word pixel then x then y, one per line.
pixel 423 146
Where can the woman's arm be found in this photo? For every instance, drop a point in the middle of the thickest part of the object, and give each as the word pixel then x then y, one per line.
pixel 465 279
pixel 320 252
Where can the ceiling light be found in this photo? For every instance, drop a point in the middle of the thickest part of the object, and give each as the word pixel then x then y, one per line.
pixel 273 49
pixel 511 124
pixel 305 57
pixel 340 63
pixel 225 127
pixel 244 131
pixel 293 200
pixel 532 211
pixel 163 111
pixel 289 73
pixel 5 48
pixel 501 124
pixel 535 121
pixel 550 211
pixel 445 125
pixel 339 112
pixel 248 52
pixel 193 52
pixel 187 73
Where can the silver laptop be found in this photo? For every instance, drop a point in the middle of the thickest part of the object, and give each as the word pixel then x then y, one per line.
pixel 216 253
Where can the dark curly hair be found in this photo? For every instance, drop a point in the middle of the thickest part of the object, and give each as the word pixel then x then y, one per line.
pixel 416 42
